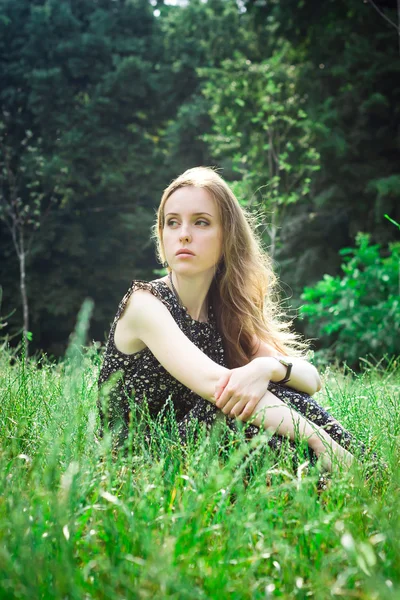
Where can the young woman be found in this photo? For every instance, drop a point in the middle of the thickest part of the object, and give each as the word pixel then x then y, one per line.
pixel 208 334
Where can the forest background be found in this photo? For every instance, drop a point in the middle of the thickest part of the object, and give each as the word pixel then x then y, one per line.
pixel 103 103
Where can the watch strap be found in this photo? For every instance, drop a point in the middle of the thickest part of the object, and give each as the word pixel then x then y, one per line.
pixel 288 366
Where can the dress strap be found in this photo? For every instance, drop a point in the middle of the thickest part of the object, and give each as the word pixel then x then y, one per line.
pixel 155 287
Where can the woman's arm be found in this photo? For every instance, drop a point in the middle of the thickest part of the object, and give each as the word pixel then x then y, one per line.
pixel 239 390
pixel 275 416
pixel 147 319
pixel 304 376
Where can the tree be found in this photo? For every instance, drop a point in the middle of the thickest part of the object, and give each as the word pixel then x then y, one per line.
pixel 260 125
pixel 23 203
pixel 196 36
pixel 87 80
pixel 348 73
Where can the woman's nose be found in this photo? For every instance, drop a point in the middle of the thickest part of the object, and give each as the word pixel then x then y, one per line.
pixel 184 237
pixel 184 234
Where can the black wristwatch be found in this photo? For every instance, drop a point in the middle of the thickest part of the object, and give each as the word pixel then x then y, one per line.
pixel 288 366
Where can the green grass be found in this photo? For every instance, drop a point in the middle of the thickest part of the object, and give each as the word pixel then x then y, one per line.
pixel 211 521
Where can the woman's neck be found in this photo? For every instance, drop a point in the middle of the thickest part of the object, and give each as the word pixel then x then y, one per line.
pixel 192 292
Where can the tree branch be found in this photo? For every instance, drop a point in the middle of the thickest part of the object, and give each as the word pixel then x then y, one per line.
pixel 378 10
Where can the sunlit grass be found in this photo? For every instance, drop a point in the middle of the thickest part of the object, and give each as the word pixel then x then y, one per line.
pixel 210 521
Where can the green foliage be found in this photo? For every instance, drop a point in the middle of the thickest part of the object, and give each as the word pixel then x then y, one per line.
pixel 112 99
pixel 82 82
pixel 260 125
pixel 352 90
pixel 358 313
pixel 197 36
pixel 259 121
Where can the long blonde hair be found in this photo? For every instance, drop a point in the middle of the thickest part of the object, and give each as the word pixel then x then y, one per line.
pixel 243 289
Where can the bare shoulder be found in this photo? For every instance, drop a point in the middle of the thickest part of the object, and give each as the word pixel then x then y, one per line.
pixel 141 310
pixel 147 322
pixel 141 306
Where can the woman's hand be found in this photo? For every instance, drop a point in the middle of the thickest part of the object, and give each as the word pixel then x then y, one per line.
pixel 239 391
pixel 331 450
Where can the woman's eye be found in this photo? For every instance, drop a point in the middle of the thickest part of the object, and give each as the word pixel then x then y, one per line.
pixel 173 222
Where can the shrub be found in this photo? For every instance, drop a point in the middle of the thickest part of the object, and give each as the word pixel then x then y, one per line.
pixel 358 313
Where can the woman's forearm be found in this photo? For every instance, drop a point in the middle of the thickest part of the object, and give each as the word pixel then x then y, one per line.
pixel 304 376
pixel 274 415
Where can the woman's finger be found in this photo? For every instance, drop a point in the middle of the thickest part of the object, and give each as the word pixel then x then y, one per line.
pixel 233 401
pixel 238 408
pixel 248 409
pixel 230 403
pixel 226 395
pixel 223 399
pixel 220 387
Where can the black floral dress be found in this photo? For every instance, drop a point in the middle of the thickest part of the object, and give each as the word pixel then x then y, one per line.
pixel 143 377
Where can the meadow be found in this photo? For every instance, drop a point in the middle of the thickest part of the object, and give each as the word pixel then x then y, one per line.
pixel 210 521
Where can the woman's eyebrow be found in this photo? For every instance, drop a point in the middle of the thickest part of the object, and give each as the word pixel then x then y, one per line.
pixel 196 214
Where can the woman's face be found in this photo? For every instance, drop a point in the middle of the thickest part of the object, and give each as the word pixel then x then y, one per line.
pixel 192 222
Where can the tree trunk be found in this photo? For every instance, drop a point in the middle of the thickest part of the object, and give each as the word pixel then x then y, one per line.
pixel 22 272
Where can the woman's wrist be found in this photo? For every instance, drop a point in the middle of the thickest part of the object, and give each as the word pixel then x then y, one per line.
pixel 270 368
pixel 276 370
pixel 303 376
